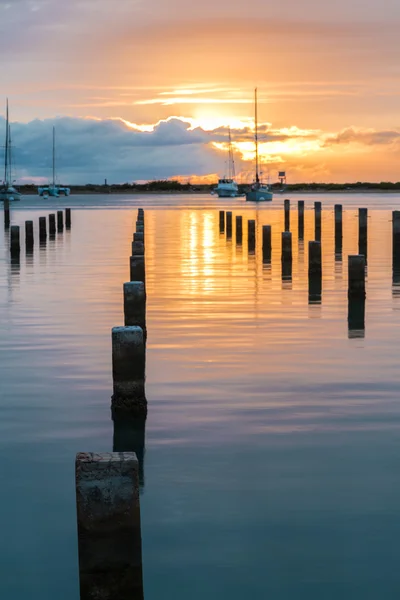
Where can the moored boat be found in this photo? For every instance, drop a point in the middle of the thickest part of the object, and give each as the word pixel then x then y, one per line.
pixel 54 190
pixel 259 191
pixel 8 192
pixel 227 186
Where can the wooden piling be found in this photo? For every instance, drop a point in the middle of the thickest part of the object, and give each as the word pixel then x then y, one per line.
pixel 68 218
pixel 7 219
pixel 52 225
pixel 137 249
pixel 228 225
pixel 135 304
pixel 286 255
pixel 251 235
pixel 109 530
pixel 137 268
pixel 396 239
pixel 138 236
pixel 314 272
pixel 129 436
pixel 338 229
pixel 363 232
pixel 239 230
pixel 318 215
pixel 221 221
pixel 266 243
pixel 287 214
pixel 29 239
pixel 300 213
pixel 60 221
pixel 42 230
pixel 128 359
pixel 356 293
pixel 15 247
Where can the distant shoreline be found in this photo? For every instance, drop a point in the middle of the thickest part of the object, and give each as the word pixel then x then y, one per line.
pixel 206 192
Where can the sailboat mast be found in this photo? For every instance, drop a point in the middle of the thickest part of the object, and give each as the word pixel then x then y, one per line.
pixel 54 156
pixel 256 133
pixel 6 149
pixel 229 155
pixel 10 175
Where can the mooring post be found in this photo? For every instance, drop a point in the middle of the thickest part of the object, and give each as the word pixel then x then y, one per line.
pixel 318 213
pixel 239 230
pixel 52 225
pixel 139 225
pixel 221 221
pixel 300 212
pixel 251 235
pixel 338 229
pixel 29 240
pixel 15 247
pixel 229 225
pixel 60 220
pixel 314 272
pixel 128 359
pixel 363 232
pixel 266 243
pixel 286 255
pixel 287 214
pixel 6 214
pixel 137 268
pixel 109 530
pixel 356 292
pixel 137 249
pixel 129 436
pixel 42 230
pixel 396 239
pixel 135 304
pixel 68 218
pixel 138 236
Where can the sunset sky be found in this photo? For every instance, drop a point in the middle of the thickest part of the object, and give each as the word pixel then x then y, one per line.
pixel 141 90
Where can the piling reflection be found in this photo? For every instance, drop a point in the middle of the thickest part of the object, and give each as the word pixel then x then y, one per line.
pixel 356 318
pixel 129 436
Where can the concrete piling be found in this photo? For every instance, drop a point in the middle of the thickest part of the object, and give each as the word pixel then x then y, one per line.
pixel 15 247
pixel 7 219
pixel 286 255
pixel 137 268
pixel 363 232
pixel 251 235
pixel 229 225
pixel 68 218
pixel 52 225
pixel 42 230
pixel 60 221
pixel 221 221
pixel 287 214
pixel 338 229
pixel 109 530
pixel 129 436
pixel 356 293
pixel 314 272
pixel 29 239
pixel 128 360
pixel 239 230
pixel 300 212
pixel 318 215
pixel 135 304
pixel 266 243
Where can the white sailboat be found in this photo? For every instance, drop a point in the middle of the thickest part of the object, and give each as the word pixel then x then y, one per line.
pixel 8 192
pixel 259 191
pixel 227 186
pixel 54 190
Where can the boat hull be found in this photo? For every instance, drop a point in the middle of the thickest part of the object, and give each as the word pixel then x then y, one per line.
pixel 9 195
pixel 226 193
pixel 259 196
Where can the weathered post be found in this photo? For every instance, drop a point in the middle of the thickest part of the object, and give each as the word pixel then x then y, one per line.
pixel 42 230
pixel 266 243
pixel 139 226
pixel 109 532
pixel 15 247
pixel 338 229
pixel 396 239
pixel 363 232
pixel 318 214
pixel 68 218
pixel 229 225
pixel 137 249
pixel 221 221
pixel 300 208
pixel 52 225
pixel 60 221
pixel 6 214
pixel 128 359
pixel 137 268
pixel 135 304
pixel 29 240
pixel 286 255
pixel 314 272
pixel 251 235
pixel 129 436
pixel 287 214
pixel 239 230
pixel 356 293
pixel 138 236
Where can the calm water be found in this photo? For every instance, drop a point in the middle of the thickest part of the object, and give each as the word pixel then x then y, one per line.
pixel 272 447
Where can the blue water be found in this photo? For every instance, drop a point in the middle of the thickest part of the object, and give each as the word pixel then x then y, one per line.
pixel 272 442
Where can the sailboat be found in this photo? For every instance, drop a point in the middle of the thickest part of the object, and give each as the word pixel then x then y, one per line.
pixel 227 186
pixel 259 192
pixel 54 190
pixel 7 190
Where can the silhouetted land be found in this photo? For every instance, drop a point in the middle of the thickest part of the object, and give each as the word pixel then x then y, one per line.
pixel 171 186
